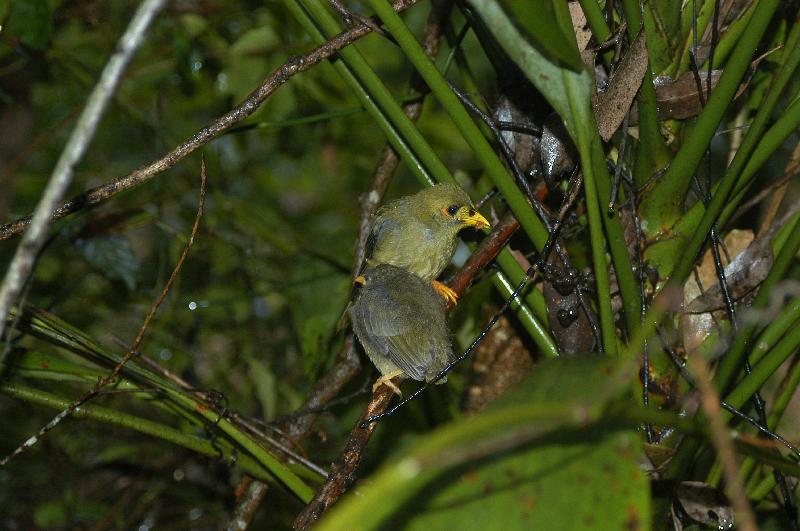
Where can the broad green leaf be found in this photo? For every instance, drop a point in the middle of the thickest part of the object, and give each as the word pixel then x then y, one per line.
pixel 318 293
pixel 538 23
pixel 516 459
pixel 32 22
pixel 566 481
pixel 113 257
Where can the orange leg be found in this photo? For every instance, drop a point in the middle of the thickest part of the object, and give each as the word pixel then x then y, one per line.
pixel 446 293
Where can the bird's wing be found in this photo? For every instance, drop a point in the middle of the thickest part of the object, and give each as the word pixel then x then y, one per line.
pixel 396 333
pixel 381 227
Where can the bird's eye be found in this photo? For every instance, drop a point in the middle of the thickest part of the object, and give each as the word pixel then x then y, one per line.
pixel 452 210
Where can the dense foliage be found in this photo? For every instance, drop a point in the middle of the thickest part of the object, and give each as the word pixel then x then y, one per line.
pixel 647 177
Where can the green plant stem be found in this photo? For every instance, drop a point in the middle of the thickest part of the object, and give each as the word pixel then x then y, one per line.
pixel 599 26
pixel 125 420
pixel 618 246
pixel 747 387
pixel 652 151
pixel 786 391
pixel 704 15
pixel 763 488
pixel 664 201
pixel 483 151
pixel 775 330
pixel 718 202
pixel 731 363
pixel 60 333
pixel 775 136
pixel 596 233
pixel 731 36
pixel 373 95
pixel 597 184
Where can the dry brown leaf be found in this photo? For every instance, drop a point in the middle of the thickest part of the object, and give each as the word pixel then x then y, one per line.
pixel 583 33
pixel 678 98
pixel 611 106
pixel 695 328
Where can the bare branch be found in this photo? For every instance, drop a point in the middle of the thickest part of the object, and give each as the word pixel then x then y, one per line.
pixel 343 472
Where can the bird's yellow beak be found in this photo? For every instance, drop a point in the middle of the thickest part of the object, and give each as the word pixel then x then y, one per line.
pixel 472 218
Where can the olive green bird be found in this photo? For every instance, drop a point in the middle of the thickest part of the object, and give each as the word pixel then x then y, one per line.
pixel 400 321
pixel 419 232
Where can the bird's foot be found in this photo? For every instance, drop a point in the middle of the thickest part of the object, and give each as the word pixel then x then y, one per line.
pixel 386 380
pixel 446 293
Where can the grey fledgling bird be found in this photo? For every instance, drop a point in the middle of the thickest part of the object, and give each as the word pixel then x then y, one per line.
pixel 400 321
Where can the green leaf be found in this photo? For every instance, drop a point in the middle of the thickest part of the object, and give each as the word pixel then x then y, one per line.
pixel 113 257
pixel 32 22
pixel 538 23
pixel 318 292
pixel 566 481
pixel 51 514
pixel 544 444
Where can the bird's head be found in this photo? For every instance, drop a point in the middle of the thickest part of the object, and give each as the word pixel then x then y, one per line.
pixel 450 207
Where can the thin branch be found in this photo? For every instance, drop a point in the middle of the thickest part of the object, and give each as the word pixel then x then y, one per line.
pixel 111 376
pixel 251 104
pixel 22 263
pixel 249 495
pixel 721 439
pixel 342 474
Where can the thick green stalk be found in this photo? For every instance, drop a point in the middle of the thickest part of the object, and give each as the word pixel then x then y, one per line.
pixel 775 330
pixel 597 22
pixel 731 36
pixel 593 163
pixel 786 391
pixel 737 398
pixel 788 388
pixel 586 137
pixel 750 384
pixel 514 273
pixel 402 134
pixel 701 229
pixel 732 362
pixel 705 12
pixel 615 237
pixel 483 151
pixel 664 202
pixel 652 151
pixel 775 136
pixel 148 427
